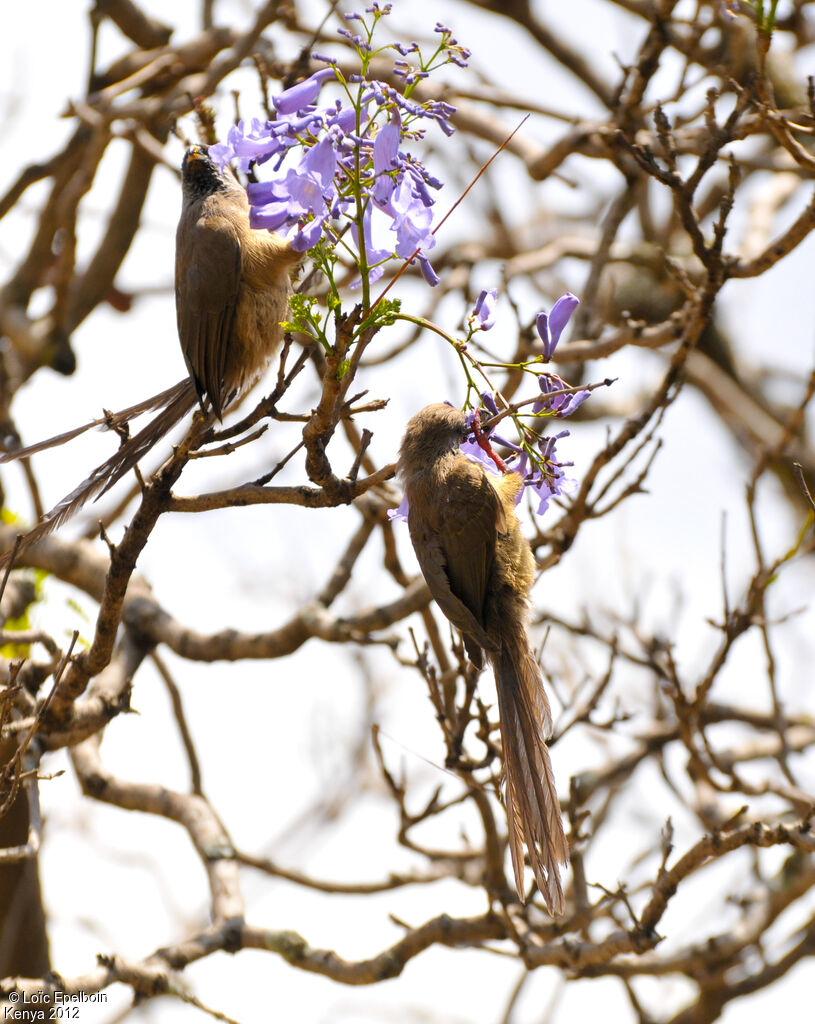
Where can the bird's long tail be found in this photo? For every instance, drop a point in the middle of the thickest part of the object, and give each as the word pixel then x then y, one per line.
pixel 178 401
pixel 110 420
pixel 533 810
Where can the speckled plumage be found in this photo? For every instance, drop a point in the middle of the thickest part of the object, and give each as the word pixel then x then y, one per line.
pixel 479 569
pixel 232 284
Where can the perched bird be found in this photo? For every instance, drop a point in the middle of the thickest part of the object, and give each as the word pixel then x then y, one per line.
pixel 232 287
pixel 480 569
pixel 232 284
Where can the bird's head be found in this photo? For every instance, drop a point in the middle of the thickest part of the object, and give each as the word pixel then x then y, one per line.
pixel 200 177
pixel 432 433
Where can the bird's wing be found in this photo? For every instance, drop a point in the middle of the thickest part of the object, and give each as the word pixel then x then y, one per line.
pixel 471 516
pixel 455 546
pixel 432 562
pixel 208 276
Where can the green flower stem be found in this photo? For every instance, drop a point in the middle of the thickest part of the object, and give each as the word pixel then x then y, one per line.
pixel 464 356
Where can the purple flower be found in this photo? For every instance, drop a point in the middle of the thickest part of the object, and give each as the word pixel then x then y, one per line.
pixel 273 215
pixel 410 77
pixel 561 314
pixel 271 206
pixel 299 203
pixel 573 401
pixel 260 193
pixel 454 53
pixel 428 273
pixel 264 140
pixel 475 453
pixel 308 235
pixel 560 405
pixel 548 477
pixel 401 512
pixel 345 118
pixel 311 184
pixel 374 257
pixel 411 221
pixel 487 399
pixel 550 327
pixel 484 311
pixel 386 157
pixel 304 93
pixel 251 145
pixel 545 487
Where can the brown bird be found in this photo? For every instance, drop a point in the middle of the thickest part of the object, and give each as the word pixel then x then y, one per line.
pixel 232 284
pixel 480 569
pixel 232 287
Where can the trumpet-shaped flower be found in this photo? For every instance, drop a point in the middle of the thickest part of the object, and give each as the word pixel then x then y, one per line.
pixel 484 311
pixel 550 325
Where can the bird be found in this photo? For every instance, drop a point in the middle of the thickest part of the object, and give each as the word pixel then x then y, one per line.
pixel 232 284
pixel 232 287
pixel 479 569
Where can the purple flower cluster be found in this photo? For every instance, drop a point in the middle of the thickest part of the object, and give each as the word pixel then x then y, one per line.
pixel 553 400
pixel 549 326
pixel 542 473
pixel 347 160
pixel 539 466
pixel 546 476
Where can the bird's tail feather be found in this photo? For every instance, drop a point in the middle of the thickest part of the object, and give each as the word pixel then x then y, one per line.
pixel 180 399
pixel 109 420
pixel 533 810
